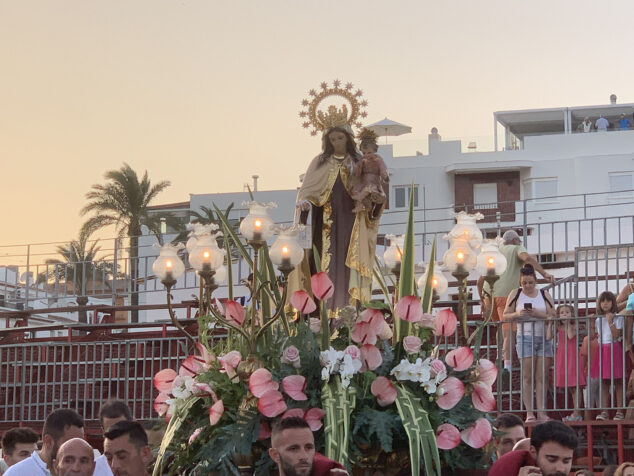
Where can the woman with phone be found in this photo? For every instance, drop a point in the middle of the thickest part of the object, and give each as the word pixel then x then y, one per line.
pixel 530 306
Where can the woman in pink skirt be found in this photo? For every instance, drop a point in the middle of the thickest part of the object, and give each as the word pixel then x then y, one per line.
pixel 608 362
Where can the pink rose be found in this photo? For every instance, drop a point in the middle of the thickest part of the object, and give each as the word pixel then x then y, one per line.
pixel 353 351
pixel 291 356
pixel 412 344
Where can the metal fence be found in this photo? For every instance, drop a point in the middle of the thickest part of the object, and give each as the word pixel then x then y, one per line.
pixel 591 220
pixel 38 377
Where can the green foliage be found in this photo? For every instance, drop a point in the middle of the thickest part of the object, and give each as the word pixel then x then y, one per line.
pixel 388 359
pixel 229 441
pixel 373 426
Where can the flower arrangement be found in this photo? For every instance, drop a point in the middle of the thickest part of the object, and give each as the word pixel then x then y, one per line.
pixel 374 380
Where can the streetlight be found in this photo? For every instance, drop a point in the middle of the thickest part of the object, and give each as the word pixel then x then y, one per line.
pixel 491 263
pixel 439 282
pixel 208 260
pixel 393 254
pixel 460 259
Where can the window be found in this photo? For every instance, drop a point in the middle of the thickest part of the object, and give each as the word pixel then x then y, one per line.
pixel 401 196
pixel 621 185
pixel 485 195
pixel 544 189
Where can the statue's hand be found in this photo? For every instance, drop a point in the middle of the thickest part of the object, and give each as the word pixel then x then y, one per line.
pixel 303 205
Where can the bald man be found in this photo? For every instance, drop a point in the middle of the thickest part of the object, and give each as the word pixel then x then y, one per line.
pixel 74 458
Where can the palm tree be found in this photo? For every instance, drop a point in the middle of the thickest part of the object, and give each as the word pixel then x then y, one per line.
pixel 78 267
pixel 123 202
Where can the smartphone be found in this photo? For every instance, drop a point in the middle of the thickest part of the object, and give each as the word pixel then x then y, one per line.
pixel 528 305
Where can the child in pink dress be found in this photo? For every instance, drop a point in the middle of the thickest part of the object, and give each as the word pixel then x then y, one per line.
pixel 608 361
pixel 568 361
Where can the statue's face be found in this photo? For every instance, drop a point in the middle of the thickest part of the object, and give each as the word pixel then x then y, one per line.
pixel 368 151
pixel 338 140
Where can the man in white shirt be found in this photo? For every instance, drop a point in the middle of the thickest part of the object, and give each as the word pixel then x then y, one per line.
pixel 17 444
pixel 60 426
pixel 602 124
pixel 111 412
pixel 74 458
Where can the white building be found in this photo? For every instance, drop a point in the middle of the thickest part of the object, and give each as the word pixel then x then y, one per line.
pixel 561 189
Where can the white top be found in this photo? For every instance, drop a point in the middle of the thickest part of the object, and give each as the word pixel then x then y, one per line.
pixel 102 468
pixel 602 124
pixel 603 328
pixel 32 466
pixel 532 328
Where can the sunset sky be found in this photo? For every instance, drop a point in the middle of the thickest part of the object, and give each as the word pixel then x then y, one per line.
pixel 206 93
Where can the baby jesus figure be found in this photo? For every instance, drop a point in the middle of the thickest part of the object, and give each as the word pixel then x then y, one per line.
pixel 370 174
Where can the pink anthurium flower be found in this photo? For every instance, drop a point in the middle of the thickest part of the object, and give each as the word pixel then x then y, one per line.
pixel 412 344
pixel 409 308
pixel 478 434
pixel 303 302
pixel 230 362
pixel 293 412
pixel 164 379
pixel 363 333
pixel 460 358
pixel 271 404
pixel 374 317
pixel 370 357
pixel 446 322
pixel 322 286
pixel 261 381
pixel 482 397
pixel 160 404
pixel 234 312
pixel 194 435
pixel 368 327
pixel 204 389
pixel 192 366
pixel 384 391
pixel 450 392
pixel 447 436
pixel 294 386
pixel 487 371
pixel 215 412
pixel 313 417
pixel 207 356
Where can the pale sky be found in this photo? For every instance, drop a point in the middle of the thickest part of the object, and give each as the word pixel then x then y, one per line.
pixel 206 93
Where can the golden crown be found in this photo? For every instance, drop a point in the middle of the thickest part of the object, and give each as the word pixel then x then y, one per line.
pixel 367 135
pixel 333 116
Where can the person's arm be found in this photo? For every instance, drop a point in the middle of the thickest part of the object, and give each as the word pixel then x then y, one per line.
pixel 614 330
pixel 483 295
pixel 509 312
pixel 528 259
pixel 621 299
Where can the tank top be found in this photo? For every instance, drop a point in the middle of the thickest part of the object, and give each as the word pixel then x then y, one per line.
pixel 532 328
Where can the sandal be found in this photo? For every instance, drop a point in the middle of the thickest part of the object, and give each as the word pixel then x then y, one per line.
pixel 572 418
pixel 619 416
pixel 530 419
pixel 603 416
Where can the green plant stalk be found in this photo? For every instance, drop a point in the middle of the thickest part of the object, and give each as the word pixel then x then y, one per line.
pixel 173 426
pixel 419 431
pixel 406 281
pixel 325 327
pixel 427 298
